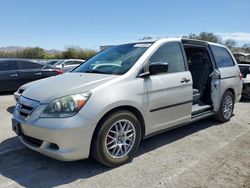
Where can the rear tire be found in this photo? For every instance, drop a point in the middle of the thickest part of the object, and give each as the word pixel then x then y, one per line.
pixel 226 107
pixel 117 139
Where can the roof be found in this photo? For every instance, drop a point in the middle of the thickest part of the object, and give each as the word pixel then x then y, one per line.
pixel 177 39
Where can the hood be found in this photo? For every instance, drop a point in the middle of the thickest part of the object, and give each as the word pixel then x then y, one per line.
pixel 48 89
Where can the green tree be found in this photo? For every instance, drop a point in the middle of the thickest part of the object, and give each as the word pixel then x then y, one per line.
pixel 230 43
pixel 77 53
pixel 206 36
pixel 34 53
pixel 39 53
pixel 70 53
pixel 246 48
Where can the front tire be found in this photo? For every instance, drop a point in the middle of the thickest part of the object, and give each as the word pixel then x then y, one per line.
pixel 226 107
pixel 117 140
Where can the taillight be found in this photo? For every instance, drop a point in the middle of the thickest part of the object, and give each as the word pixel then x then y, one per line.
pixel 58 71
pixel 240 75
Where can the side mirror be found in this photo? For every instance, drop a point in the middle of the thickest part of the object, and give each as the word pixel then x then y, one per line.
pixel 158 67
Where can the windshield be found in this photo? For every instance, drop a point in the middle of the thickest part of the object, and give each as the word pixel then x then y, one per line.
pixel 114 60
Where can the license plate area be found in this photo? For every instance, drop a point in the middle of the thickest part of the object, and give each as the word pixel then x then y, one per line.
pixel 16 127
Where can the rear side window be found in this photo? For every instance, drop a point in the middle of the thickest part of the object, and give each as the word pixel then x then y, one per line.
pixel 72 62
pixel 30 65
pixel 170 53
pixel 9 65
pixel 68 63
pixel 222 57
pixel 76 62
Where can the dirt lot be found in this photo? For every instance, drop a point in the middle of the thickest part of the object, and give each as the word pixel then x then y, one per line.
pixel 202 154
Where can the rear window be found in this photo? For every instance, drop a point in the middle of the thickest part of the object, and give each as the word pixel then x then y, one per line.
pixel 222 57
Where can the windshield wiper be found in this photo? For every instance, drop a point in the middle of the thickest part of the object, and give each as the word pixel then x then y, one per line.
pixel 95 71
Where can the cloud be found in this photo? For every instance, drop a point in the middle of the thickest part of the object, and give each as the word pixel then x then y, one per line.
pixel 238 36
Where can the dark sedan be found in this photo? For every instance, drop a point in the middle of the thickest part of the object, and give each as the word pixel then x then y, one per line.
pixel 16 72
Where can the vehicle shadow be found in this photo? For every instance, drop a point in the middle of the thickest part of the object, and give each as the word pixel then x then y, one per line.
pixel 165 138
pixel 10 109
pixel 244 101
pixel 31 169
pixel 6 93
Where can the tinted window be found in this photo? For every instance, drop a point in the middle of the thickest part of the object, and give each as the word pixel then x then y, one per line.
pixel 8 65
pixel 52 62
pixel 68 63
pixel 222 57
pixel 170 53
pixel 76 62
pixel 59 62
pixel 30 65
pixel 72 63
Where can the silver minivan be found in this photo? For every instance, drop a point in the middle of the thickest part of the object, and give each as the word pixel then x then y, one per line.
pixel 126 93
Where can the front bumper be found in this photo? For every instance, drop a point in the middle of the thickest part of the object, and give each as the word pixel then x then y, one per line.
pixel 65 139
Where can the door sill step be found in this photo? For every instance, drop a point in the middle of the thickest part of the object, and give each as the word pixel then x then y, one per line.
pixel 202 115
pixel 198 109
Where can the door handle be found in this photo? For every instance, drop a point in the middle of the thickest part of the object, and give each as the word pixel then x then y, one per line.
pixel 185 80
pixel 13 75
pixel 38 73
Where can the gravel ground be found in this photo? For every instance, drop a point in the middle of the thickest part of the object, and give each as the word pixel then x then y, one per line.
pixel 202 154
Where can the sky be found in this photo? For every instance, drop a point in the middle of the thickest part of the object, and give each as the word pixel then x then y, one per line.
pixel 57 24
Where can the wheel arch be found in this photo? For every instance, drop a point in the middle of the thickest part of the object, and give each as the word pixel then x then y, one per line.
pixel 129 108
pixel 231 90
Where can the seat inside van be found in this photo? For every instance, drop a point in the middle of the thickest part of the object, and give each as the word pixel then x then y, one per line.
pixel 200 67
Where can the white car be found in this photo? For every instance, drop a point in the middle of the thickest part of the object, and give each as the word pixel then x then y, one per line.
pixel 68 64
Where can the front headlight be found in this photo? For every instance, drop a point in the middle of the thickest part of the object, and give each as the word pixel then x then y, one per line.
pixel 67 106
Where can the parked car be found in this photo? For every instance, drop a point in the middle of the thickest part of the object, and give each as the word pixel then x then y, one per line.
pixel 124 94
pixel 53 61
pixel 16 72
pixel 242 57
pixel 68 64
pixel 245 71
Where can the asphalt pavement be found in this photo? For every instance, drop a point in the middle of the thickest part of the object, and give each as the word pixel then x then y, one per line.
pixel 201 154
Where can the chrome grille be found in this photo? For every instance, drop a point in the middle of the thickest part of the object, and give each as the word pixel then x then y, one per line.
pixel 26 106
